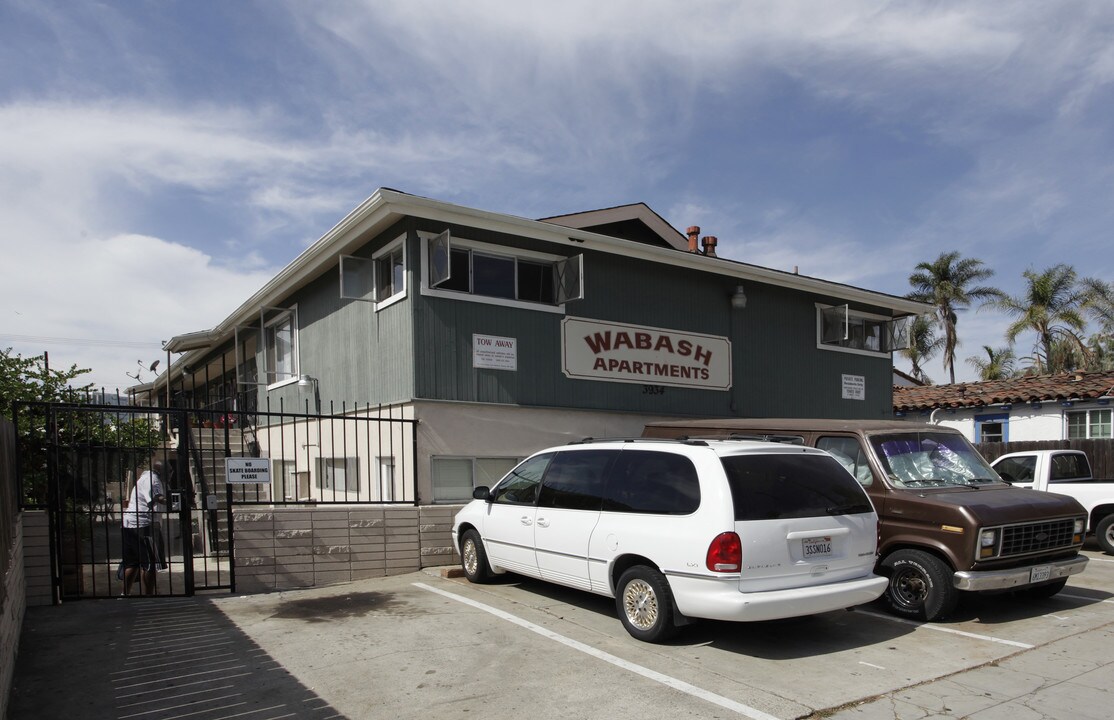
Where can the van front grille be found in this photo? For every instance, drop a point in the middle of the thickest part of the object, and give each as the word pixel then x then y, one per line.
pixel 1036 537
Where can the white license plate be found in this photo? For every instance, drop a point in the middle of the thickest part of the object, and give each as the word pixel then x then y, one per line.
pixel 817 547
pixel 1040 573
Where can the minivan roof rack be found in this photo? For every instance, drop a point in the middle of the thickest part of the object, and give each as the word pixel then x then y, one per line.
pixel 684 440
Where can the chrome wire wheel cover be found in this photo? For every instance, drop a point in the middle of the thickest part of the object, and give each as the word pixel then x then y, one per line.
pixel 640 604
pixel 471 559
pixel 1110 534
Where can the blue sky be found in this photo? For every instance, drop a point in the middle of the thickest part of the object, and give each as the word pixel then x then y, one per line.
pixel 160 160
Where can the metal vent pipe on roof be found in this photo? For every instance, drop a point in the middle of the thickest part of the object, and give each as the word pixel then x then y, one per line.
pixel 694 238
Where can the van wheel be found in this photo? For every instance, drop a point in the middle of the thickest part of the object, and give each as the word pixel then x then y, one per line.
pixel 920 585
pixel 473 558
pixel 1041 592
pixel 1104 533
pixel 645 604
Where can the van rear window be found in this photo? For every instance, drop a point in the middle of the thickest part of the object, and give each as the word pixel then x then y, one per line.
pixel 769 487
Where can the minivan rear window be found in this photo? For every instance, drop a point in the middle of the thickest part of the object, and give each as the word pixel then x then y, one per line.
pixel 645 481
pixel 770 487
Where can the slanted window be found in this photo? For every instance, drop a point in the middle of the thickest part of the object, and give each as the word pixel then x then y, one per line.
pixel 390 274
pixel 500 275
pixel 841 328
pixel 281 348
pixel 1089 424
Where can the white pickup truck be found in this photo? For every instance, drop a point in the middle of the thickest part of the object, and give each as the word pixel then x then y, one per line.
pixel 1067 472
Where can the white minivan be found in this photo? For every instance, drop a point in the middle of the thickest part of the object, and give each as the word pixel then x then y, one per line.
pixel 680 529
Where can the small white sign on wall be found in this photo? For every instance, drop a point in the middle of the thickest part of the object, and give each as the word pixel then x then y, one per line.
pixel 247 471
pixel 854 387
pixel 494 353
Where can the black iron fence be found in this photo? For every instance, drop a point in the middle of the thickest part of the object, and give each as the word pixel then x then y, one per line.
pixel 81 461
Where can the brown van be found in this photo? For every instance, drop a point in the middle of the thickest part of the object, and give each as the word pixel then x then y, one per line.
pixel 947 521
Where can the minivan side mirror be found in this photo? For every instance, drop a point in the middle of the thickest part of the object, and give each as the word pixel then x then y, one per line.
pixel 482 493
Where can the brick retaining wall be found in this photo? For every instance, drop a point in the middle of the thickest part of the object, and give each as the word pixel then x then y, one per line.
pixel 12 604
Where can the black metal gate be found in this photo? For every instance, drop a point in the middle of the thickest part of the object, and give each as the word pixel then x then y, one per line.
pixel 80 462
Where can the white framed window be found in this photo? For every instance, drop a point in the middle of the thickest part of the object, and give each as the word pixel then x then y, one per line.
pixel 1090 424
pixel 338 475
pixel 390 273
pixel 480 272
pixel 280 350
pixel 842 329
pixel 385 471
pixel 455 477
pixel 285 479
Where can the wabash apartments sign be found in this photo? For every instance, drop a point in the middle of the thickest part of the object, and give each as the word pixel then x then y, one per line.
pixel 595 350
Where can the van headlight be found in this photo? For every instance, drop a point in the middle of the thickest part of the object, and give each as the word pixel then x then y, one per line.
pixel 1077 531
pixel 988 543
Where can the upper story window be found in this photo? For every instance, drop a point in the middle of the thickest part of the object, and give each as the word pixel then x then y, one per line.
pixel 1089 424
pixel 390 274
pixel 481 272
pixel 842 329
pixel 280 332
pixel 380 279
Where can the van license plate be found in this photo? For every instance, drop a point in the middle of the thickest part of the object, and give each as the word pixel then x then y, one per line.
pixel 817 547
pixel 1040 573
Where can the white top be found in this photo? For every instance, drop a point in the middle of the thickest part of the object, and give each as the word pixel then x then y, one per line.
pixel 141 506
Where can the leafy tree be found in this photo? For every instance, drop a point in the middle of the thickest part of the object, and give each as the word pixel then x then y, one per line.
pixel 26 382
pixel 31 379
pixel 923 345
pixel 1099 302
pixel 948 284
pixel 998 365
pixel 1052 307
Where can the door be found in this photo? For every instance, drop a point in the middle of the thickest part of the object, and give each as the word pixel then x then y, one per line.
pixel 508 526
pixel 568 512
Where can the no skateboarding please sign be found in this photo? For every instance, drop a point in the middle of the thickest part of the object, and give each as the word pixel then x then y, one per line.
pixel 247 471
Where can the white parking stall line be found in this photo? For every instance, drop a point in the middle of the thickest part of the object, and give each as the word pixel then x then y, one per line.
pixel 951 631
pixel 1095 559
pixel 876 667
pixel 666 680
pixel 1083 597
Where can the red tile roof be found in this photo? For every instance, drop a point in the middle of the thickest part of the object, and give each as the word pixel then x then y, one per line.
pixel 1027 389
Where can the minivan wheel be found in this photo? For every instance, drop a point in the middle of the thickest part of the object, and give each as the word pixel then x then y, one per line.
pixel 1104 533
pixel 920 585
pixel 473 558
pixel 645 604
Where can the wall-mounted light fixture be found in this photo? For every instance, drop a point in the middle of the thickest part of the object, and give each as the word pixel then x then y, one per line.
pixel 739 298
pixel 306 381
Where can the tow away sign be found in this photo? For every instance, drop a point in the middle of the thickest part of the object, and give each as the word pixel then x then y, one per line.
pixel 247 471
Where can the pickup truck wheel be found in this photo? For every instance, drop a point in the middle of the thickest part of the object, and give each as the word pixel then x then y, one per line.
pixel 1104 533
pixel 920 585
pixel 645 604
pixel 473 558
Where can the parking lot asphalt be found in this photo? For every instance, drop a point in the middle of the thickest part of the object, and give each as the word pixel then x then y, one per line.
pixel 423 645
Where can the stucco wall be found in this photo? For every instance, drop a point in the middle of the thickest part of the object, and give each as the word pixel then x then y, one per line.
pixel 1026 423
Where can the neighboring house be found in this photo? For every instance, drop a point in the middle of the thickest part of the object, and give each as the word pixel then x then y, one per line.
pixel 904 379
pixel 1069 406
pixel 502 335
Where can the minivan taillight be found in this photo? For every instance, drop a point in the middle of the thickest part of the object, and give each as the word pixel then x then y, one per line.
pixel 725 554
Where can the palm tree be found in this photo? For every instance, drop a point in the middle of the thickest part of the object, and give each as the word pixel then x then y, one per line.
pixel 998 365
pixel 1099 302
pixel 1052 307
pixel 923 344
pixel 946 285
